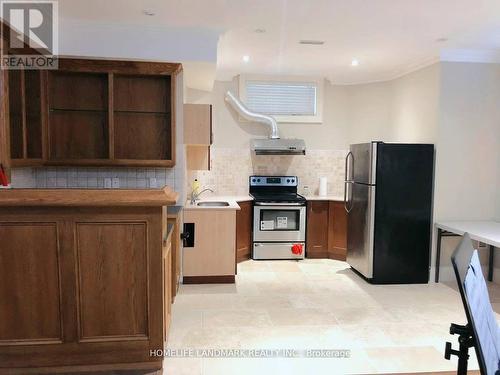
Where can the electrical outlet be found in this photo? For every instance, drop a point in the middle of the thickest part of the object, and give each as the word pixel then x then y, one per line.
pixel 107 183
pixel 152 182
pixel 116 183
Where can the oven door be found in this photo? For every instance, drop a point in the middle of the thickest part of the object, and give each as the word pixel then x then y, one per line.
pixel 280 223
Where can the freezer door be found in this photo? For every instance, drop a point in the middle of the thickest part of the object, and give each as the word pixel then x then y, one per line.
pixel 362 164
pixel 360 229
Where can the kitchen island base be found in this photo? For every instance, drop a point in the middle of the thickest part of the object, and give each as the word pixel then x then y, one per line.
pixel 83 288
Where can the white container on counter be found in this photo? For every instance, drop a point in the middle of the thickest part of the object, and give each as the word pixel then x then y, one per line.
pixel 323 187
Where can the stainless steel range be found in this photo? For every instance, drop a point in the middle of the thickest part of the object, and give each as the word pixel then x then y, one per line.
pixel 279 218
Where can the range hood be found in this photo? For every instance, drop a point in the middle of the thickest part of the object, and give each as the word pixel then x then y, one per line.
pixel 278 146
pixel 273 145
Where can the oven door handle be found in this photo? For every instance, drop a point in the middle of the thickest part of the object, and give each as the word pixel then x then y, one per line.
pixel 278 204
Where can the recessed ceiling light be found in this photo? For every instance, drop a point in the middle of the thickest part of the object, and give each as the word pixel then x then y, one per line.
pixel 148 12
pixel 246 58
pixel 354 62
pixel 260 31
pixel 312 42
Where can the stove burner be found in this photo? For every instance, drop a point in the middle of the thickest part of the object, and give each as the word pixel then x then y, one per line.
pixel 275 189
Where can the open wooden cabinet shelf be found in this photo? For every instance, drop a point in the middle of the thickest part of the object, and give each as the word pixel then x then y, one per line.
pixel 92 112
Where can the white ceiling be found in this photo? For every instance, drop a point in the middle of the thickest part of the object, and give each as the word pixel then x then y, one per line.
pixel 388 37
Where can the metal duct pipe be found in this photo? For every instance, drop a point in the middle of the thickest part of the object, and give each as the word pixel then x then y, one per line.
pixel 252 116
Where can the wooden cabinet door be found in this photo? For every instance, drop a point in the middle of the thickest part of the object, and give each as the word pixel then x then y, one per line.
pixel 77 125
pixel 317 229
pixel 198 124
pixel 244 231
pixel 4 122
pixel 26 90
pixel 30 284
pixel 119 292
pixel 337 231
pixel 37 309
pixel 213 253
pixel 112 281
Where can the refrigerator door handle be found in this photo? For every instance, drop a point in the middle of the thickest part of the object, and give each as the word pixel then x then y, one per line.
pixel 347 208
pixel 347 178
pixel 348 181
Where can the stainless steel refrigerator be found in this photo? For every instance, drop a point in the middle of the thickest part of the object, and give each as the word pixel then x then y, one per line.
pixel 388 198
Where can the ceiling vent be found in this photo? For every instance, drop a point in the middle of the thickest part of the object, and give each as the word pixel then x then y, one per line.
pixel 312 42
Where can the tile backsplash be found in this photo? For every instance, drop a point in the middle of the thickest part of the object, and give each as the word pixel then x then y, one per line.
pixel 96 178
pixel 92 178
pixel 230 169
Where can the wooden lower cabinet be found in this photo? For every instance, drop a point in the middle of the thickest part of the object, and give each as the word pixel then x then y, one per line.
pixel 317 229
pixel 82 287
pixel 212 257
pixel 337 231
pixel 326 230
pixel 244 231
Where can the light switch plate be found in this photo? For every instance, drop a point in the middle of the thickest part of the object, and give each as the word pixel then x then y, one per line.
pixel 107 183
pixel 152 182
pixel 116 183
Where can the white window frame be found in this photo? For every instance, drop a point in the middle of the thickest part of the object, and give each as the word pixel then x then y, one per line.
pixel 319 82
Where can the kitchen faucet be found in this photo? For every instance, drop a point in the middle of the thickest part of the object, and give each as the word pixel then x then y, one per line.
pixel 195 195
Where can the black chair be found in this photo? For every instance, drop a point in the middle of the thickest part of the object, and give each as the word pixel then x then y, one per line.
pixel 479 331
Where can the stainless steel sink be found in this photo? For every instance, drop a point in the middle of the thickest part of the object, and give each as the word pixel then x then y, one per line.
pixel 213 204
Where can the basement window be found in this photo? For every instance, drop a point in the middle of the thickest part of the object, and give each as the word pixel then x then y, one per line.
pixel 288 100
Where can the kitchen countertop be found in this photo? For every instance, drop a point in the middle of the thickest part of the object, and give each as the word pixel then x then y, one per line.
pixel 324 198
pixel 234 199
pixel 88 197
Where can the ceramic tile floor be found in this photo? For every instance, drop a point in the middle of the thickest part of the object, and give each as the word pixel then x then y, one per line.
pixel 315 304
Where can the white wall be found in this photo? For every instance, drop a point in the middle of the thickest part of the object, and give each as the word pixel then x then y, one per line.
pixel 415 106
pixel 498 194
pixel 468 141
pixel 468 148
pixel 368 110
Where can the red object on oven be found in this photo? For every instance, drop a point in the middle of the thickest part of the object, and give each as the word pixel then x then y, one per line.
pixel 297 248
pixel 3 177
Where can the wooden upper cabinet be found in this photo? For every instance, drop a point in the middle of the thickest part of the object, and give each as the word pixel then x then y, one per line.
pixel 198 135
pixel 93 112
pixel 105 112
pixel 198 124
pixel 78 116
pixel 5 158
pixel 26 101
pixel 142 116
